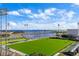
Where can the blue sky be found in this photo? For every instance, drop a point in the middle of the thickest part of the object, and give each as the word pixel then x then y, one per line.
pixel 42 16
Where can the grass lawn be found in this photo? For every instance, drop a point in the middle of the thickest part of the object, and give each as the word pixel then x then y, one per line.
pixel 44 46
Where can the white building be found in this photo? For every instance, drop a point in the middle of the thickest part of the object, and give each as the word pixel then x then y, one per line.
pixel 73 32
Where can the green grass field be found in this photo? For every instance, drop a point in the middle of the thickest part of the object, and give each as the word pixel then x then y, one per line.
pixel 43 46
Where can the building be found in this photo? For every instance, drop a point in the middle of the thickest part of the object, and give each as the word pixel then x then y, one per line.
pixel 73 32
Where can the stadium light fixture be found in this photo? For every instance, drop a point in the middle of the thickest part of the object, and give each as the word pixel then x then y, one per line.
pixel 3 13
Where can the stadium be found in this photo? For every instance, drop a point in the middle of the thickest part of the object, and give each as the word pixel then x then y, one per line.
pixel 38 30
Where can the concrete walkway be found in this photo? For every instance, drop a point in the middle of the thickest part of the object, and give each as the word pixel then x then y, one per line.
pixel 15 51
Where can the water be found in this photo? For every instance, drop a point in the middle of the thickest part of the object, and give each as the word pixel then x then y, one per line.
pixel 32 34
pixel 39 33
pixel 27 30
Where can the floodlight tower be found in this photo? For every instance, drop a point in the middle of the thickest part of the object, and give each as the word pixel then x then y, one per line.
pixel 26 26
pixel 3 13
pixel 78 28
pixel 58 30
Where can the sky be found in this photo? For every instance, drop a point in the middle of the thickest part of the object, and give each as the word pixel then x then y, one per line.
pixel 41 16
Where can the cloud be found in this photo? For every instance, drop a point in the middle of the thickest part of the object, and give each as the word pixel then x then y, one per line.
pixel 50 11
pixel 65 25
pixel 66 15
pixel 40 16
pixel 16 13
pixel 37 26
pixel 77 4
pixel 70 14
pixel 65 19
pixel 11 23
pixel 35 15
pixel 26 11
pixel 53 13
pixel 45 19
pixel 20 12
pixel 44 15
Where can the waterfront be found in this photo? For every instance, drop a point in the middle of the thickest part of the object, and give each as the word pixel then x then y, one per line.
pixel 31 34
